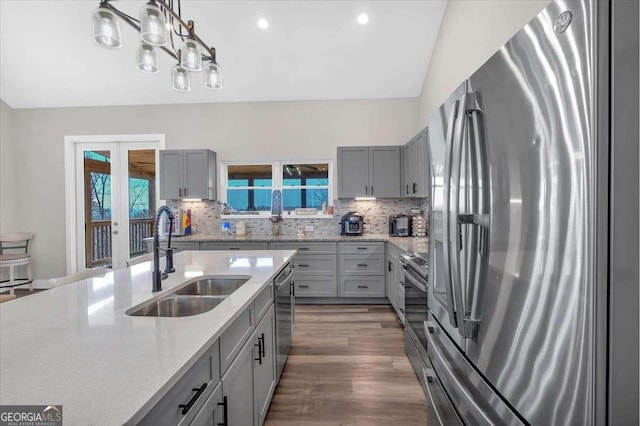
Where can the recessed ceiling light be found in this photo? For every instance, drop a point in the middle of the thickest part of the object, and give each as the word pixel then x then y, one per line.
pixel 263 24
pixel 363 18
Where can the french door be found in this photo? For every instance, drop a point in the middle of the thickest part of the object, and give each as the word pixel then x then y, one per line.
pixel 116 198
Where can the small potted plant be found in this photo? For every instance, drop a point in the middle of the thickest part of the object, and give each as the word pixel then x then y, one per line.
pixel 276 221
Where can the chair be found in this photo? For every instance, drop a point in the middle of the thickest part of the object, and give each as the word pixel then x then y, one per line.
pixel 89 273
pixel 14 251
pixel 139 259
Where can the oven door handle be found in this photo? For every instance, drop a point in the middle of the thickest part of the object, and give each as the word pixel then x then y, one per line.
pixel 421 287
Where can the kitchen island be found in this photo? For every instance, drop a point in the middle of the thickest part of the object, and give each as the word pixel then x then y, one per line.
pixel 75 345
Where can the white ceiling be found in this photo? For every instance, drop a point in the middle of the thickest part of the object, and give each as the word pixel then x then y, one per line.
pixel 312 50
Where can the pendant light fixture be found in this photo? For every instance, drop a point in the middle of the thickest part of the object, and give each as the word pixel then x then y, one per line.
pixel 212 73
pixel 159 24
pixel 147 58
pixel 106 29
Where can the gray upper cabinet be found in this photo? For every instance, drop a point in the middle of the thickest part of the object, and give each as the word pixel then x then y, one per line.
pixel 353 172
pixel 188 173
pixel 369 171
pixel 384 171
pixel 415 164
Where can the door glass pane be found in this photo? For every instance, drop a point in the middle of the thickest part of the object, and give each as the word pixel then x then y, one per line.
pixel 141 182
pixel 97 183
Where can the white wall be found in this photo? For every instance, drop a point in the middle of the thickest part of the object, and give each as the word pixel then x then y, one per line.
pixel 471 32
pixel 236 131
pixel 6 169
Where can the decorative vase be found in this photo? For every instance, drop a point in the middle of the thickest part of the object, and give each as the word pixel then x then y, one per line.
pixel 275 228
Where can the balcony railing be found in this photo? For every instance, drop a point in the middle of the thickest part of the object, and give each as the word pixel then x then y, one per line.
pixel 99 240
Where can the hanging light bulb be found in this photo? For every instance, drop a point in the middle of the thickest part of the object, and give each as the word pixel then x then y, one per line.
pixel 153 25
pixel 191 55
pixel 106 29
pixel 213 73
pixel 180 79
pixel 147 58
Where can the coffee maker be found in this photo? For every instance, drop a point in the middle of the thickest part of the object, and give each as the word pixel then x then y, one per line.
pixel 400 225
pixel 352 223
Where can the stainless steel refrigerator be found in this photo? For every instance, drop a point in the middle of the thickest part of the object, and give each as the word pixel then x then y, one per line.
pixel 533 293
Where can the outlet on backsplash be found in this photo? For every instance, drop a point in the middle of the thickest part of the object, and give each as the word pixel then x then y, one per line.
pixel 308 228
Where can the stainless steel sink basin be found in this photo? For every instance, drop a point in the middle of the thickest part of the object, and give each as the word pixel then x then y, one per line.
pixel 176 306
pixel 213 286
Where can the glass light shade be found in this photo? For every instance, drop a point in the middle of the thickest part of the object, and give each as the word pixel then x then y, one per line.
pixel 213 76
pixel 153 26
pixel 147 58
pixel 106 29
pixel 191 58
pixel 180 79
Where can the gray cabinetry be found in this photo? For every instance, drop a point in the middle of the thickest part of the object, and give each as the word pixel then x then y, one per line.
pixel 241 245
pixel 237 388
pixel 180 405
pixel 362 272
pixel 188 173
pixel 369 171
pixel 415 165
pixel 234 337
pixel 212 412
pixel 264 366
pixel 315 268
pixel 395 280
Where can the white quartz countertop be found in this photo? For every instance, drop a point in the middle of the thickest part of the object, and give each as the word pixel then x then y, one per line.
pixel 74 345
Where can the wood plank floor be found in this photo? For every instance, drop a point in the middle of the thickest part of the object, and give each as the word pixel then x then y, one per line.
pixel 347 366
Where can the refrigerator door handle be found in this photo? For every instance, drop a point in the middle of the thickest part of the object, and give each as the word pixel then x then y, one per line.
pixel 453 113
pixel 453 237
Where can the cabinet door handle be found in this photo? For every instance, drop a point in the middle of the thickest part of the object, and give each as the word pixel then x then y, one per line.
pixel 259 345
pixel 407 189
pixel 185 192
pixel 363 286
pixel 180 192
pixel 414 187
pixel 303 248
pixel 389 266
pixel 198 391
pixel 301 265
pixel 362 265
pixel 262 353
pixel 225 420
pixel 303 286
pixel 366 190
pixel 363 248
pixel 371 189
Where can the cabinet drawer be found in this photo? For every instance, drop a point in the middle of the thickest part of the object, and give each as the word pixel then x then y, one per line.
pixel 321 264
pixel 234 337
pixel 361 248
pixel 234 246
pixel 362 286
pixel 212 412
pixel 205 373
pixel 263 302
pixel 361 265
pixel 316 287
pixel 306 248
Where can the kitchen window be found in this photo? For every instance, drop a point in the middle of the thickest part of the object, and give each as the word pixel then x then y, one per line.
pixel 248 187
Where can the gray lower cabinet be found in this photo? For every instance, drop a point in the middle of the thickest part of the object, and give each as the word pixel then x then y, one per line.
pixel 237 388
pixel 234 246
pixel 233 338
pixel 213 411
pixel 362 269
pixel 315 268
pixel 264 366
pixel 392 279
pixel 395 280
pixel 180 405
pixel 250 381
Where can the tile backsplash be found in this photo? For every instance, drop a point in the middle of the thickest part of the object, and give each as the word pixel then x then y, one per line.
pixel 205 217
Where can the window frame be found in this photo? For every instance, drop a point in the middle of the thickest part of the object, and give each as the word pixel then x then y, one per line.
pixel 277 167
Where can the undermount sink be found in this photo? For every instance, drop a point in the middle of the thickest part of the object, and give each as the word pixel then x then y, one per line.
pixel 177 306
pixel 213 286
pixel 191 298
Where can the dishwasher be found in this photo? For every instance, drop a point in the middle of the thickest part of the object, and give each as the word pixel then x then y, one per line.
pixel 285 312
